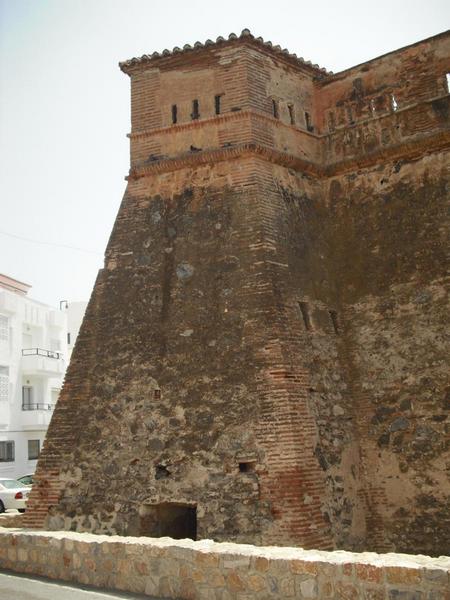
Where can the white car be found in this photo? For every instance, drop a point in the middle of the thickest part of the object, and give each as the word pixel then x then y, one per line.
pixel 13 494
pixel 26 479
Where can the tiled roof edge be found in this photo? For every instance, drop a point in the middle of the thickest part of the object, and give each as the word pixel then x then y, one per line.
pixel 127 65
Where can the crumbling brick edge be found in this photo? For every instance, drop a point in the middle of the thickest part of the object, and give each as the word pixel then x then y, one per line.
pixel 205 569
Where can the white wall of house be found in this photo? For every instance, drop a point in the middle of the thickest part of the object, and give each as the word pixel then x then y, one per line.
pixel 75 314
pixel 33 358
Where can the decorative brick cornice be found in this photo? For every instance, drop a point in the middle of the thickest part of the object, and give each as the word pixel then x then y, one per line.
pixel 203 157
pixel 406 150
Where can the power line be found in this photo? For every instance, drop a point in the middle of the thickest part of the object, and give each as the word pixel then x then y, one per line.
pixel 19 237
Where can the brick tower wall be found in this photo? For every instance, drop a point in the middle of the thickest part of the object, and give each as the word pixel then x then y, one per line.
pixel 385 228
pixel 394 343
pixel 191 373
pixel 265 341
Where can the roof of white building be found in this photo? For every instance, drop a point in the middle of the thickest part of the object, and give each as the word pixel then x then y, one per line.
pixel 14 285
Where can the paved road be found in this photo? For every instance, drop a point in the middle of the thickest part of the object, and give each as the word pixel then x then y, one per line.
pixel 24 587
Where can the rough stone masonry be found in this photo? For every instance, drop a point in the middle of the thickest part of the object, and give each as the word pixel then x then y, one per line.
pixel 206 570
pixel 264 356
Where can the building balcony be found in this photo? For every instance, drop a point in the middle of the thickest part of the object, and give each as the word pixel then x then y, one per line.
pixel 36 415
pixel 37 361
pixel 37 406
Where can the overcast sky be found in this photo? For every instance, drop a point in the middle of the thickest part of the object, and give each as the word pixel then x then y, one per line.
pixel 64 105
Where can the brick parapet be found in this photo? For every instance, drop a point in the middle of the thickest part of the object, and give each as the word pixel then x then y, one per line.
pixel 388 83
pixel 187 570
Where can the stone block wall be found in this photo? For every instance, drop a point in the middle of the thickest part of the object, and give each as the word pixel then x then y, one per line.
pixel 186 570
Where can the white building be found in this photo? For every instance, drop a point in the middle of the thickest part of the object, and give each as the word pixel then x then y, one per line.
pixel 75 313
pixel 33 358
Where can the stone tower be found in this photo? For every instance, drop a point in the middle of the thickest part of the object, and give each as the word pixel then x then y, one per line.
pixel 262 359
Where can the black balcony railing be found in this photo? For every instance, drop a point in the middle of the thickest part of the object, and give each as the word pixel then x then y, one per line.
pixel 41 352
pixel 38 406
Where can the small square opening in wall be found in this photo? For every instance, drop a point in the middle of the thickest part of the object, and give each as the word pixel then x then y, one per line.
pixel 157 394
pixel 247 466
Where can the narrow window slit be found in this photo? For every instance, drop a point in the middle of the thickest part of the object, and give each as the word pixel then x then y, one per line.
pixel 394 103
pixel 217 103
pixel 334 320
pixel 331 121
pixel 372 107
pixel 195 110
pixel 349 112
pixel 304 309
pixel 174 113
pixel 275 108
pixel 291 114
pixel 447 81
pixel 308 122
